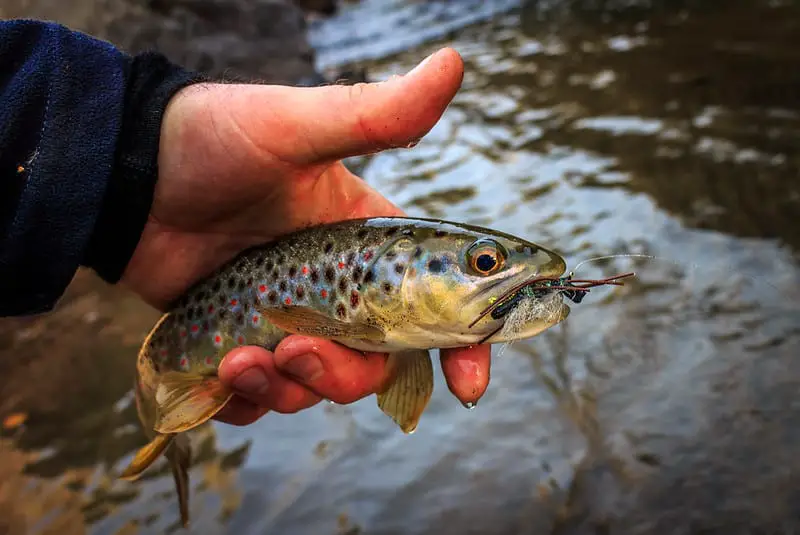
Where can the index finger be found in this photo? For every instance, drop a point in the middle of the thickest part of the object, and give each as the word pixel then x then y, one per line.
pixel 467 371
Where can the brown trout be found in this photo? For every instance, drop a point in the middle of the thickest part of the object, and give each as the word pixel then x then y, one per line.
pixel 397 285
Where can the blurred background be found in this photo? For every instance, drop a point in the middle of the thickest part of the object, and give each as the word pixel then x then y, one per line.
pixel 595 127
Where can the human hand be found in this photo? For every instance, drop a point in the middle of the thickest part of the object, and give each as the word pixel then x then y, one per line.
pixel 243 164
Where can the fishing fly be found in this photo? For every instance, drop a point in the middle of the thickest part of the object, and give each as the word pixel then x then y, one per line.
pixel 573 289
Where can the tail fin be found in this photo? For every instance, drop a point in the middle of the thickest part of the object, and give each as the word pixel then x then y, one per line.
pixel 146 456
pixel 179 455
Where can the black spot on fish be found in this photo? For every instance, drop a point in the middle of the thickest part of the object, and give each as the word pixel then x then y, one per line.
pixel 357 273
pixel 190 314
pixel 259 261
pixel 399 268
pixel 216 286
pixel 314 275
pixel 250 282
pixel 300 292
pixel 436 266
pixel 280 260
pixel 282 286
pixel 222 313
pixel 274 276
pixel 390 255
pixel 268 265
pixel 407 232
pixel 439 233
pixel 222 299
pixel 387 288
pixel 332 294
pixel 240 318
pixel 232 282
pixel 369 276
pixel 330 274
pixel 361 234
pixel 292 272
pixel 351 257
pixel 341 311
pixel 328 247
pixel 354 299
pixel 417 252
pixel 343 283
pixel 240 288
pixel 390 232
pixel 273 296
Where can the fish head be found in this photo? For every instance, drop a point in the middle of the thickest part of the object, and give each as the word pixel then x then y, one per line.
pixel 454 272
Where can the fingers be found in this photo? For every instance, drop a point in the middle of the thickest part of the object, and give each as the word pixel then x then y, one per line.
pixel 330 370
pixel 259 386
pixel 300 373
pixel 467 371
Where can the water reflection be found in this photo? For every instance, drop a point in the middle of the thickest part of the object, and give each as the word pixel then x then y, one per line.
pixel 667 129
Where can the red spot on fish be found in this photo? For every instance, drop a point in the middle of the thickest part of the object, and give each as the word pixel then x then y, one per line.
pixel 255 319
pixel 210 309
pixel 262 288
pixel 218 339
pixel 368 254
pixel 184 362
pixel 305 270
pixel 183 333
pixel 205 326
pixel 323 293
pixel 240 340
pixel 234 302
pixel 341 265
pixel 208 361
pixel 288 300
pixel 195 328
pixel 354 299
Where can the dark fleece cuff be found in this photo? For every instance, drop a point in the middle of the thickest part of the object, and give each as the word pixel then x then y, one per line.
pixel 152 82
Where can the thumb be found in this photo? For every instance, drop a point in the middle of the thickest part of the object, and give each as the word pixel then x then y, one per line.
pixel 324 124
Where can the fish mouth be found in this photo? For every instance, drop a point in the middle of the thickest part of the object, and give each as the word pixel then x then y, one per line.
pixel 539 288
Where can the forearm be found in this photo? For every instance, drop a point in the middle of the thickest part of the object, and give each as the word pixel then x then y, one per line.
pixel 79 134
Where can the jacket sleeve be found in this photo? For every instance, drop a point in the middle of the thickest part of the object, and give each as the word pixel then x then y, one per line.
pixel 79 132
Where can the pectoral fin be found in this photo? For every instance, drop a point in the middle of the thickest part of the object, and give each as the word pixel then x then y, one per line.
pixel 307 321
pixel 146 456
pixel 186 400
pixel 409 388
pixel 179 455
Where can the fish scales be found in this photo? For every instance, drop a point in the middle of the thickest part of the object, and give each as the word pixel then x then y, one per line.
pixel 331 271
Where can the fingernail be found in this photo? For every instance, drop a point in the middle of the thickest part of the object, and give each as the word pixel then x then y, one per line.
pixel 252 381
pixel 306 367
pixel 421 64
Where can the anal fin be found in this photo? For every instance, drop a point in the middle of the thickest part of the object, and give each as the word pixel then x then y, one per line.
pixel 409 388
pixel 186 400
pixel 146 456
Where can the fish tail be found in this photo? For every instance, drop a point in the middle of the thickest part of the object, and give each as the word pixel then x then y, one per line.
pixel 146 456
pixel 179 455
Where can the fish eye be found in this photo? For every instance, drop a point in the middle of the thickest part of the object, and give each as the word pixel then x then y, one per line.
pixel 486 256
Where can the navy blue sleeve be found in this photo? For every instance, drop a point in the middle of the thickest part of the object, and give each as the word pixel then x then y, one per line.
pixel 79 133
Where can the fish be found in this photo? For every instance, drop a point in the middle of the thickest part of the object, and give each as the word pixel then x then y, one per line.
pixel 397 285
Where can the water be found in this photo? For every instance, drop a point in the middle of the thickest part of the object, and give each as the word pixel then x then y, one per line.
pixel 668 406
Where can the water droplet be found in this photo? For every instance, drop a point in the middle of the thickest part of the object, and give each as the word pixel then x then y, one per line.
pixel 413 144
pixel 331 402
pixel 470 405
